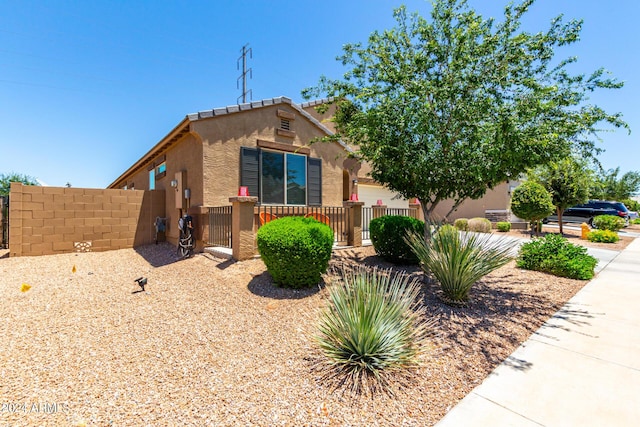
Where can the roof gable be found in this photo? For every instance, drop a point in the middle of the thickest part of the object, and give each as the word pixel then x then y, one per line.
pixel 183 127
pixel 221 111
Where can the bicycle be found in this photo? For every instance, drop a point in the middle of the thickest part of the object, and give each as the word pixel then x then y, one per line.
pixel 186 242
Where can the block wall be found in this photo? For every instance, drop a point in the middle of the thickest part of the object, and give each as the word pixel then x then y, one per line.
pixel 52 220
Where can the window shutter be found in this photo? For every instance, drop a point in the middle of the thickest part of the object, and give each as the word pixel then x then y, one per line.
pixel 250 170
pixel 314 181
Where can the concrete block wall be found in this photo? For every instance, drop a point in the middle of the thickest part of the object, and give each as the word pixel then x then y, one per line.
pixel 52 220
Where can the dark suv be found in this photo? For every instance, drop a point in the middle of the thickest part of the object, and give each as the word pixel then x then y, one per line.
pixel 591 209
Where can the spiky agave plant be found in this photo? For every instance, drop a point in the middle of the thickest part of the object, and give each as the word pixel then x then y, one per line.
pixel 373 327
pixel 459 259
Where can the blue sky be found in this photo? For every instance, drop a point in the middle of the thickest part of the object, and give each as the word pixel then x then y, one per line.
pixel 88 87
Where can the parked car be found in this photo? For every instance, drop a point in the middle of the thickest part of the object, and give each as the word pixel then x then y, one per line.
pixel 633 215
pixel 591 209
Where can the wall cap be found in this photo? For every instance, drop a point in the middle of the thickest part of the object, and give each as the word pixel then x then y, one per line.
pixel 243 199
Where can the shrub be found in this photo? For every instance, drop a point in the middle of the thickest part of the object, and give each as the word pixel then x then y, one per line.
pixel 503 226
pixel 603 236
pixel 635 221
pixel 531 202
pixel 554 254
pixel 296 250
pixel 461 224
pixel 480 225
pixel 608 222
pixel 372 327
pixel 459 260
pixel 387 236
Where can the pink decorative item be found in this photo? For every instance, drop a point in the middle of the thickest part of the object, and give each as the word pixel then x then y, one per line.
pixel 354 197
pixel 379 202
pixel 243 191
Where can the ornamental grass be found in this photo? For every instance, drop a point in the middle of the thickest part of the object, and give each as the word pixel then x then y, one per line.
pixel 373 330
pixel 457 260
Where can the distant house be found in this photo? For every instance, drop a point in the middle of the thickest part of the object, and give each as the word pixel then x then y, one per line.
pixel 265 146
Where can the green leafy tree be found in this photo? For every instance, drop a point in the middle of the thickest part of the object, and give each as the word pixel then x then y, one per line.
pixel 611 187
pixel 7 179
pixel 449 107
pixel 568 181
pixel 532 202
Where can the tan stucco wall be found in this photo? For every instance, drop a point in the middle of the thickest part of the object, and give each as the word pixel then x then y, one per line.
pixel 223 136
pixel 497 199
pixel 324 118
pixel 183 156
pixel 50 220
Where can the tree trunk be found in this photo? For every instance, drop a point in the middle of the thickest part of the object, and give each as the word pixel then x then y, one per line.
pixel 426 213
pixel 560 212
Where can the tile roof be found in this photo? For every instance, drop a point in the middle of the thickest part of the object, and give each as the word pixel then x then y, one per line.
pixel 183 127
pixel 230 109
pixel 221 111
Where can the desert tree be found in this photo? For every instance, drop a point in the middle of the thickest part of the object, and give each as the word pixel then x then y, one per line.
pixel 7 178
pixel 451 106
pixel 611 187
pixel 568 181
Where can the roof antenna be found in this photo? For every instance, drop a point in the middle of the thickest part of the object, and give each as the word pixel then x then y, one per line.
pixel 243 57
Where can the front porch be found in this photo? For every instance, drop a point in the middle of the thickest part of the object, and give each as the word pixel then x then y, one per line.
pixel 230 231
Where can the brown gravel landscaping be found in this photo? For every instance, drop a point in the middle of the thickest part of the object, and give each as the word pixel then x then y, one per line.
pixel 574 237
pixel 213 342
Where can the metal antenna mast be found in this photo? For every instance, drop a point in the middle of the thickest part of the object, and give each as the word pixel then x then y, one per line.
pixel 243 57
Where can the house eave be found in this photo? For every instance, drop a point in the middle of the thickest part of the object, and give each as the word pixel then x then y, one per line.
pixel 184 128
pixel 165 143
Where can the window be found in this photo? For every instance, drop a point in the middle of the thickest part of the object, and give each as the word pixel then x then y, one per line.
pixel 281 178
pixel 161 170
pixel 152 179
pixel 284 178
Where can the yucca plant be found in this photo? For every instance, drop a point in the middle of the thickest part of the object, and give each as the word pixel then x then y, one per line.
pixel 373 327
pixel 459 259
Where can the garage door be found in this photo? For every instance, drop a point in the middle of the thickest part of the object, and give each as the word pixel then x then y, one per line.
pixel 370 194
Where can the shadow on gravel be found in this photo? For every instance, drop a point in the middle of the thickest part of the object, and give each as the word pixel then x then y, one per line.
pixel 262 285
pixel 158 255
pixel 502 317
pixel 349 256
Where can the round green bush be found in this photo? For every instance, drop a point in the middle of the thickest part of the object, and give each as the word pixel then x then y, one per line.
pixel 531 201
pixel 388 233
pixel 556 255
pixel 608 222
pixel 603 236
pixel 503 226
pixel 461 224
pixel 296 250
pixel 480 225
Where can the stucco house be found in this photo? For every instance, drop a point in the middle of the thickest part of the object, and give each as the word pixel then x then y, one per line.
pixel 266 146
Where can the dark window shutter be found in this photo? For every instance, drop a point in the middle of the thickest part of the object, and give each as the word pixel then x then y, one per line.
pixel 314 181
pixel 250 170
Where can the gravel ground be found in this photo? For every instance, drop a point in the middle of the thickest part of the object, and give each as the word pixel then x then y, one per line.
pixel 213 342
pixel 574 237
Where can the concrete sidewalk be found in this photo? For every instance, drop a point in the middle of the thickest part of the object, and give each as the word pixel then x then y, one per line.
pixel 581 368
